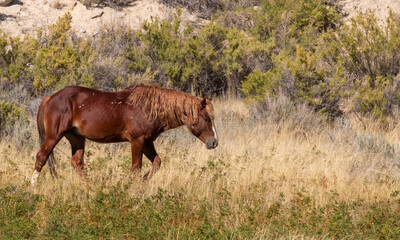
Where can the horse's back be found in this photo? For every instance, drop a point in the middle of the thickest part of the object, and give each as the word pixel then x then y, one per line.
pixel 76 95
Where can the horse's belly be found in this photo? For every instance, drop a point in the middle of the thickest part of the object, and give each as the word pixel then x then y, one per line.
pixel 101 131
pixel 108 139
pixel 103 137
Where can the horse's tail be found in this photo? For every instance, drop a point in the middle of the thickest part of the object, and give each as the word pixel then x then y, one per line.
pixel 42 134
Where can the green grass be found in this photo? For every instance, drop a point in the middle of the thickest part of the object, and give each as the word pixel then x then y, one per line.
pixel 111 213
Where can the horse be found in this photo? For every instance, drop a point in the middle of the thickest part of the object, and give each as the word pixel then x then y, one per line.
pixel 137 114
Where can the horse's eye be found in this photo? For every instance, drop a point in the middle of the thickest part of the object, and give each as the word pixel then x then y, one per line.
pixel 207 119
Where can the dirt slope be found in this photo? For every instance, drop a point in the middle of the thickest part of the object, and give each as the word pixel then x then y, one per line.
pixel 24 16
pixel 381 7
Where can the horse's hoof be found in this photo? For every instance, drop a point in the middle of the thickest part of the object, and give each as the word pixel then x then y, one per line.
pixel 35 177
pixel 146 176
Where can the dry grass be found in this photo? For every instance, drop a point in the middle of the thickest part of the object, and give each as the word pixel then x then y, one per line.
pixel 255 158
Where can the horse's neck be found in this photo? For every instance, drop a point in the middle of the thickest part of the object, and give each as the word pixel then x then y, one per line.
pixel 175 116
pixel 168 126
pixel 170 122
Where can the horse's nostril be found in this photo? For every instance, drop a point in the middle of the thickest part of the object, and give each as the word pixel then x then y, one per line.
pixel 211 144
pixel 215 144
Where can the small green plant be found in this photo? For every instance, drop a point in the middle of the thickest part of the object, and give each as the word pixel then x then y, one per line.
pixel 112 213
pixel 17 213
pixel 375 144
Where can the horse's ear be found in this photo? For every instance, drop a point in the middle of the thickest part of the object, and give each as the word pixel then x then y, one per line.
pixel 210 98
pixel 203 102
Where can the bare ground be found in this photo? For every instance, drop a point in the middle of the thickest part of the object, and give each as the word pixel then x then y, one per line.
pixel 381 7
pixel 25 16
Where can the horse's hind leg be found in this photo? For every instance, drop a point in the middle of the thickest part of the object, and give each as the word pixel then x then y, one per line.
pixel 78 149
pixel 44 152
pixel 53 129
pixel 152 155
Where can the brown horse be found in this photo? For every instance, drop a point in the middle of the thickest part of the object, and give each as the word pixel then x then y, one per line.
pixel 138 114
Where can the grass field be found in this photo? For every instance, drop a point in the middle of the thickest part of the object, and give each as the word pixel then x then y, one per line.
pixel 278 174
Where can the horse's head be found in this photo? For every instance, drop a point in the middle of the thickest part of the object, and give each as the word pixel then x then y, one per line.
pixel 204 128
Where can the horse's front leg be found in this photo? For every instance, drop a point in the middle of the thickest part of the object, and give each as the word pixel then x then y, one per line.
pixel 152 155
pixel 78 148
pixel 137 154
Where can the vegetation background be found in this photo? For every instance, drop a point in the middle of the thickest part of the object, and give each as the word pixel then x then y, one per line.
pixel 307 114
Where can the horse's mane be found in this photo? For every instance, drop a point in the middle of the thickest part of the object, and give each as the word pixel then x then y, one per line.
pixel 176 107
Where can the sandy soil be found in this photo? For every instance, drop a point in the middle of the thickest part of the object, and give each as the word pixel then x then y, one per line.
pixel 24 16
pixel 381 7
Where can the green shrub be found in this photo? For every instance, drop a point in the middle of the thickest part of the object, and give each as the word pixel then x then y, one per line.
pixel 318 61
pixel 313 86
pixel 285 22
pixel 48 62
pixel 60 62
pixel 214 60
pixel 16 57
pixel 9 114
pixel 258 85
pixel 368 55
pixel 242 56
pixel 161 50
pixel 379 100
pixel 290 31
pixel 370 49
pixel 301 79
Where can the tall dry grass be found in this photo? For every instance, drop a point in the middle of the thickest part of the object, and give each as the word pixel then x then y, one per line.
pixel 260 156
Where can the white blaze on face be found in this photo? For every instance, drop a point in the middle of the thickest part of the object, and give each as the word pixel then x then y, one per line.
pixel 35 177
pixel 215 133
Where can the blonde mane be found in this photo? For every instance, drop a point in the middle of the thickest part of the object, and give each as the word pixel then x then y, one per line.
pixel 175 107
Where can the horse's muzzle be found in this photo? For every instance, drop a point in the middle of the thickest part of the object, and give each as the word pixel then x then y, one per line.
pixel 211 144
